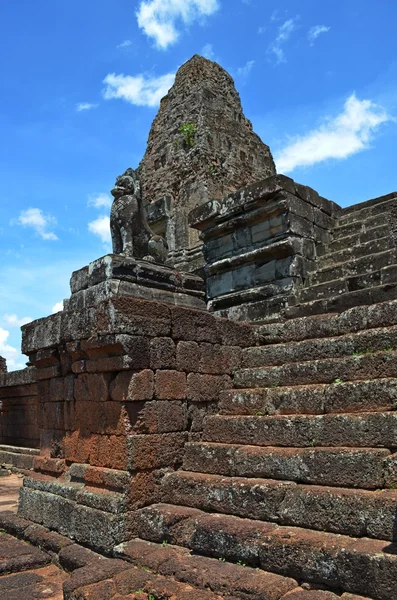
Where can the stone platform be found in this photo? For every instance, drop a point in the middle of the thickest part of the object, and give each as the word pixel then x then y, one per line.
pixel 117 275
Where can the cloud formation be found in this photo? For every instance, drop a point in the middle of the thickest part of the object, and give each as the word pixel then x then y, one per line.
pixel 38 221
pixel 246 69
pixel 58 306
pixel 9 352
pixel 208 51
pixel 348 133
pixel 14 321
pixel 140 90
pixel 82 106
pixel 124 44
pixel 159 19
pixel 284 33
pixel 101 228
pixel 99 200
pixel 315 31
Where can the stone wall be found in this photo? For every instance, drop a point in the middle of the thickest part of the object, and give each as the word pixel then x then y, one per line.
pixel 19 409
pixel 259 245
pixel 3 365
pixel 123 385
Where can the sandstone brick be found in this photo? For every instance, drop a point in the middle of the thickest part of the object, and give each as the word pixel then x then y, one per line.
pixel 170 385
pixel 206 388
pixel 133 386
pixel 162 353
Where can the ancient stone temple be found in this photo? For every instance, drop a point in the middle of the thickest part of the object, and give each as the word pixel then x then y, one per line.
pixel 228 439
pixel 201 147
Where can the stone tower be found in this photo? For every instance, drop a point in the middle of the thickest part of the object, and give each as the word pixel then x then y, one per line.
pixel 200 147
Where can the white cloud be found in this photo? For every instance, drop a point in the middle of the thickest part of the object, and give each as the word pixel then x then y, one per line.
pixel 100 200
pixel 348 133
pixel 57 307
pixel 246 69
pixel 261 30
pixel 37 220
pixel 82 106
pixel 159 18
pixel 315 31
pixel 208 51
pixel 14 321
pixel 139 90
pixel 8 352
pixel 124 44
pixel 284 33
pixel 101 228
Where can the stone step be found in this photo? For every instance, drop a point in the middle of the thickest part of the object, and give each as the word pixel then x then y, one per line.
pixel 363 430
pixel 351 344
pixel 337 279
pixel 17 460
pixel 369 468
pixel 221 577
pixel 343 302
pixel 335 510
pixel 343 229
pixel 369 209
pixel 361 237
pixel 345 397
pixel 354 319
pixel 349 253
pixel 20 450
pixel 354 266
pixel 382 364
pixel 360 566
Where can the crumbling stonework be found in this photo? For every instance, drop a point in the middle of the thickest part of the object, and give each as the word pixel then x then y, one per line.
pixel 201 147
pixel 3 365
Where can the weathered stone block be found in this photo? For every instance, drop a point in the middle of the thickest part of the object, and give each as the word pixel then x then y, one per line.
pixel 133 386
pixel 205 388
pixel 170 385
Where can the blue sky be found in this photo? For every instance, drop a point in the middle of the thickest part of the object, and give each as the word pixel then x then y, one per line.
pixel 80 84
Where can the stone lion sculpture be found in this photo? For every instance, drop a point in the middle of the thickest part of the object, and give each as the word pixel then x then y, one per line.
pixel 131 234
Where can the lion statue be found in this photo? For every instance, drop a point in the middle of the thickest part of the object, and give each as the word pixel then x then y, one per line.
pixel 131 234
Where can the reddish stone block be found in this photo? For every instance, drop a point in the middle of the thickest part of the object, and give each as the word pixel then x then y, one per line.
pixel 233 333
pixel 101 417
pixel 92 387
pixel 162 417
pixel 52 415
pixel 155 451
pixel 218 359
pixel 124 314
pixel 45 464
pixel 170 385
pixel 188 356
pixel 109 451
pixel 194 325
pixel 77 447
pixel 206 388
pixel 162 353
pixel 48 372
pixel 144 490
pixel 133 386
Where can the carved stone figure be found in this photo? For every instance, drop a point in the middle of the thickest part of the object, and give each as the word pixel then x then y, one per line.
pixel 131 235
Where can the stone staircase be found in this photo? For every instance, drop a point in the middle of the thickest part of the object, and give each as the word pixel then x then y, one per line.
pixel 357 266
pixel 297 474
